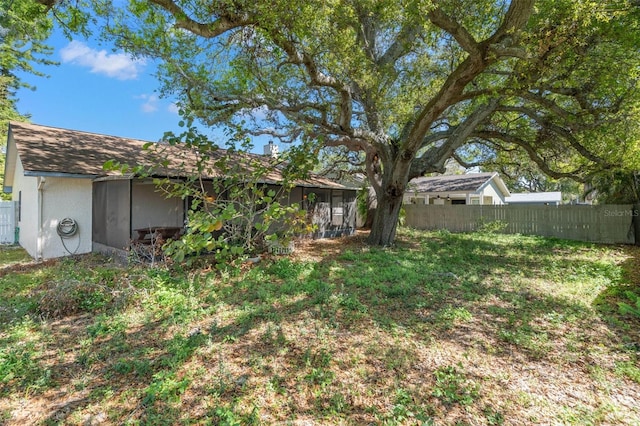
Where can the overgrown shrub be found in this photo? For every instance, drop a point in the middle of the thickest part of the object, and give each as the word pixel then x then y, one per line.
pixel 61 298
pixel 232 210
pixel 491 226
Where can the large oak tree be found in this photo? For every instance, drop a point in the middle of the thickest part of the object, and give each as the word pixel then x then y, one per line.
pixel 407 85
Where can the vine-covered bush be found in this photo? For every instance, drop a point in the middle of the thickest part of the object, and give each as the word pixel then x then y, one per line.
pixel 237 200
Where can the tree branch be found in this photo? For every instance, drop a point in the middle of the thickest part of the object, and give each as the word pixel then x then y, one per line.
pixel 401 45
pixel 464 163
pixel 434 159
pixel 224 23
pixel 532 153
pixel 478 60
pixel 546 123
pixel 459 33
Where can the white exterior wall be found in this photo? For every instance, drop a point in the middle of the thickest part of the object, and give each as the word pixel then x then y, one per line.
pixel 40 212
pixel 66 198
pixel 491 190
pixel 27 219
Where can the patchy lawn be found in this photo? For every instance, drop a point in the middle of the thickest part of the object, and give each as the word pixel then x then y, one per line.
pixel 441 329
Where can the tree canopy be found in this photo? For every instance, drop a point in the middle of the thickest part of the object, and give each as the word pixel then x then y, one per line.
pixel 404 85
pixel 24 28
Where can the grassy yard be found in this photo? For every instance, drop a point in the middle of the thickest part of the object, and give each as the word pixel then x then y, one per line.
pixel 442 329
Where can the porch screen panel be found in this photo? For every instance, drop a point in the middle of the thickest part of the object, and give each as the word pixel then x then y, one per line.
pixel 337 209
pixel 321 208
pixel 150 207
pixel 350 209
pixel 295 195
pixel 112 213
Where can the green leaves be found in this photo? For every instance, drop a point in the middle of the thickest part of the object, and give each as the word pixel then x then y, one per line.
pixel 411 84
pixel 232 208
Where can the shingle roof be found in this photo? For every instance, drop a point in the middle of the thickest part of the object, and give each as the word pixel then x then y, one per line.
pixel 45 150
pixel 470 182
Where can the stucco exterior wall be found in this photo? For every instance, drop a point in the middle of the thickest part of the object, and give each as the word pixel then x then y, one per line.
pixel 25 190
pixel 66 198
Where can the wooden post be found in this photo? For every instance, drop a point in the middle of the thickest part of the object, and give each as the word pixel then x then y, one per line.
pixel 635 221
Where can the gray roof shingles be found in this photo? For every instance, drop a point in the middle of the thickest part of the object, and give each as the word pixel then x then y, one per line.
pixel 44 149
pixel 450 183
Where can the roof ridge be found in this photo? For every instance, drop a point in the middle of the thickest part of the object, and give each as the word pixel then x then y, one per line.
pixel 86 132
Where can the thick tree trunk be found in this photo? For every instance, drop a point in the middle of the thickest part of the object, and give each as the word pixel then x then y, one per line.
pixel 393 183
pixel 385 221
pixel 368 223
pixel 372 203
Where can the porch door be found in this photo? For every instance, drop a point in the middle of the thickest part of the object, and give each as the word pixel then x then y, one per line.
pixel 337 209
pixel 112 213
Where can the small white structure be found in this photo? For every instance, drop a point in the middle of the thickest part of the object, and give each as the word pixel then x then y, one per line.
pixel 271 150
pixel 536 198
pixel 44 199
pixel 470 188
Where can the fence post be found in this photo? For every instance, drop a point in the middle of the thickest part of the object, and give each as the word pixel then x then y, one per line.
pixel 635 221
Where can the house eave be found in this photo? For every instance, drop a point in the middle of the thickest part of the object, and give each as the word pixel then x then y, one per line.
pixel 35 173
pixel 495 177
pixel 262 181
pixel 113 177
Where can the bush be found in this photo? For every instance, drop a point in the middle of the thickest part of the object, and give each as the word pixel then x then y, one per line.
pixel 69 297
pixel 491 227
pixel 232 215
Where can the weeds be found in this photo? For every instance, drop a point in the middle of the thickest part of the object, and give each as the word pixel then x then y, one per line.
pixel 19 360
pixel 432 331
pixel 633 306
pixel 629 369
pixel 452 387
pixel 449 316
pixel 165 387
pixel 62 298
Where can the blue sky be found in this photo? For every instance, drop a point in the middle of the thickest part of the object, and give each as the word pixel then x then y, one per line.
pixel 97 90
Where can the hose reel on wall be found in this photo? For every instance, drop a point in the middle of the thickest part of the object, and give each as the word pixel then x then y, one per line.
pixel 68 228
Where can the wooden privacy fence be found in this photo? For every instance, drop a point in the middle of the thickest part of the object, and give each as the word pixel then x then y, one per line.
pixel 7 222
pixel 602 224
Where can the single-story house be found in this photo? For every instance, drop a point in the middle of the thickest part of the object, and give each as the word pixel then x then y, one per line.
pixel 536 198
pixel 56 174
pixel 470 188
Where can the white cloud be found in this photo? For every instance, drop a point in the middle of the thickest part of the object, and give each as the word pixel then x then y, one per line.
pixel 173 108
pixel 150 103
pixel 115 65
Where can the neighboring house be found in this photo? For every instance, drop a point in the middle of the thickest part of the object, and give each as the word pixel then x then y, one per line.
pixel 55 174
pixel 536 198
pixel 470 188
